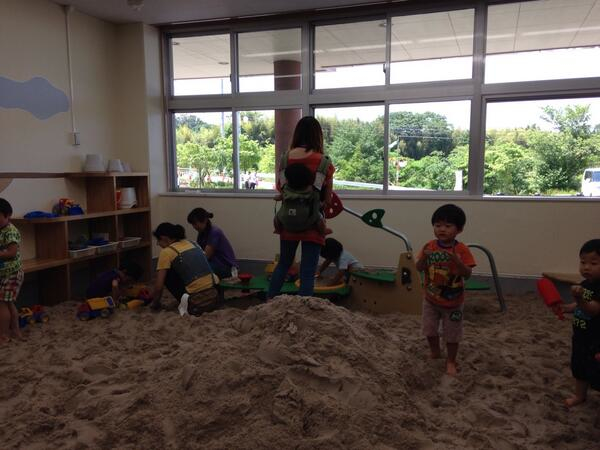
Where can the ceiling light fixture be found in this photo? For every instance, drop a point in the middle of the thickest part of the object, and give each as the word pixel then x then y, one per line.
pixel 136 5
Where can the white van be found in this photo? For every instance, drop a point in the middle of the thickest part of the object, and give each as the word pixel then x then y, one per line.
pixel 590 185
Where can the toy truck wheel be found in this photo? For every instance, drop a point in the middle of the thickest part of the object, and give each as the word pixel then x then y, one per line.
pixel 105 313
pixel 45 318
pixel 30 320
pixel 83 316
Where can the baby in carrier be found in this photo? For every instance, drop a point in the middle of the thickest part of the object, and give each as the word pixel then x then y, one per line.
pixel 300 180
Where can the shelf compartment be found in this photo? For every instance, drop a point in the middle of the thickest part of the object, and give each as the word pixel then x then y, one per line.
pixel 117 212
pixel 51 241
pixel 37 264
pixel 134 225
pixel 141 188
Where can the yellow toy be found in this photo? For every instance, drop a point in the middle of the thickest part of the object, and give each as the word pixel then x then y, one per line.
pixel 94 307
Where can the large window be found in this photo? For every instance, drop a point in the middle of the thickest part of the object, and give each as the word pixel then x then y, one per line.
pixel 431 47
pixel 353 137
pixel 542 147
pixel 544 39
pixel 201 65
pixel 204 155
pixel 478 98
pixel 429 146
pixel 270 60
pixel 350 54
pixel 260 131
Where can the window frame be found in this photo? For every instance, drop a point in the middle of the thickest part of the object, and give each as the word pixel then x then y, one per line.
pixel 308 98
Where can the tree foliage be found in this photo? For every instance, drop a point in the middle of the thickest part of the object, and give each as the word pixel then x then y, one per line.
pixel 425 151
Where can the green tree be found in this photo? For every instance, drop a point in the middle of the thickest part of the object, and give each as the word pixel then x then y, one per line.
pixel 357 150
pixel 256 127
pixel 508 169
pixel 433 171
pixel 421 133
pixel 573 120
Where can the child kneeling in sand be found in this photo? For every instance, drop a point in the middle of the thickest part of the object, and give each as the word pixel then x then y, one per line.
pixel 446 263
pixel 585 363
pixel 115 281
pixel 333 252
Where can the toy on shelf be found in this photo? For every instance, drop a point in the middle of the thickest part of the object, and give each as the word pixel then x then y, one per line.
pixel 67 207
pixel 30 316
pixel 96 307
pixel 551 296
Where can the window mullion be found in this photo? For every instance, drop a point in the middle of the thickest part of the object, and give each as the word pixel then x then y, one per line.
pixel 477 121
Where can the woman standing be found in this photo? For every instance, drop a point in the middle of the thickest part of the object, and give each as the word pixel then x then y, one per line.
pixel 214 242
pixel 306 149
pixel 182 267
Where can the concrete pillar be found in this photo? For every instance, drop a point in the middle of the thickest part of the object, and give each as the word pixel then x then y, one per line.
pixel 287 77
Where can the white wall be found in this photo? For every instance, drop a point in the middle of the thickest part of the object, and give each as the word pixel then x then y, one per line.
pixel 526 237
pixel 112 102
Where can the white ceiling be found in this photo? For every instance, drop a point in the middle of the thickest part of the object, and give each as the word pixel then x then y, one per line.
pixel 544 24
pixel 174 11
pixel 513 27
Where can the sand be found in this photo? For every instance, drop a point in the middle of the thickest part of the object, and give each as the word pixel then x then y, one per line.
pixel 292 373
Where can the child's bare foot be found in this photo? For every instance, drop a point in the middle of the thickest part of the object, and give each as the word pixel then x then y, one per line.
pixel 4 340
pixel 451 368
pixel 574 401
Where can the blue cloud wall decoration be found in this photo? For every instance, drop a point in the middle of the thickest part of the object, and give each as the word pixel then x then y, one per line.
pixel 36 96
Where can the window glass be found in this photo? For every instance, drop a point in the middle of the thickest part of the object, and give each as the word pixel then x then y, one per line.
pixel 431 47
pixel 542 147
pixel 429 146
pixel 204 153
pixel 350 54
pixel 201 65
pixel 353 138
pixel 270 60
pixel 263 135
pixel 540 40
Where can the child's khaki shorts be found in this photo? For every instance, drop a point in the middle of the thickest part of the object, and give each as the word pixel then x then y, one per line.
pixel 451 319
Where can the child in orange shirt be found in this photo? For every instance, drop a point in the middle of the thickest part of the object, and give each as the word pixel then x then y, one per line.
pixel 446 263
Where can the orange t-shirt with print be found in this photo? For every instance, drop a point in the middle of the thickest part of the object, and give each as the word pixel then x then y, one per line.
pixel 442 286
pixel 312 161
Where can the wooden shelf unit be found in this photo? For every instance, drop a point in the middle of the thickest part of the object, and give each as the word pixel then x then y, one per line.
pixel 55 272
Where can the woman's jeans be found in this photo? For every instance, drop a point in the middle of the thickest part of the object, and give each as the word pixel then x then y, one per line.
pixel 308 267
pixel 174 284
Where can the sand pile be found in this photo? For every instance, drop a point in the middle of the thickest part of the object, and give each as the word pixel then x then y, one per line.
pixel 292 373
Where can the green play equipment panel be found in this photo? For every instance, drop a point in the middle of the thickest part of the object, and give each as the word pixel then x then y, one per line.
pixel 260 283
pixel 389 276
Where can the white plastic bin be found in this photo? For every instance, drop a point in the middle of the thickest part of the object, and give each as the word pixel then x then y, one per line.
pixel 89 251
pixel 106 248
pixel 127 242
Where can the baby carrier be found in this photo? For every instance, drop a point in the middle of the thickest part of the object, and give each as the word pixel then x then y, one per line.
pixel 300 209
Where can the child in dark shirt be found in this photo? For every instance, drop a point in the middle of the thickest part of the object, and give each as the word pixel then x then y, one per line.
pixel 114 282
pixel 585 364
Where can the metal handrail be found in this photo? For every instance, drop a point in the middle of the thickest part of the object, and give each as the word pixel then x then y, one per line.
pixel 494 274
